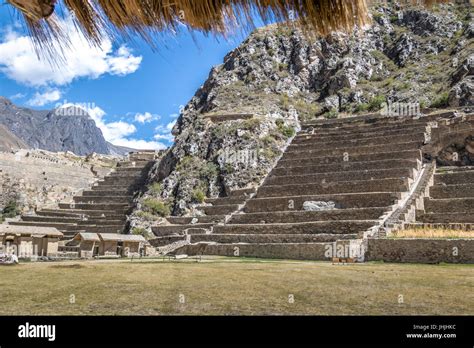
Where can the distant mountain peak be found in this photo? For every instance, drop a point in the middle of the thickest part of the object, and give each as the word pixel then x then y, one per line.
pixel 59 130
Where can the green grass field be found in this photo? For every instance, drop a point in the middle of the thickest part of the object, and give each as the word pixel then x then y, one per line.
pixel 230 286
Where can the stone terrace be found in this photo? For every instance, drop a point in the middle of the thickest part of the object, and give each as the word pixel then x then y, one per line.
pixel 360 168
pixel 102 208
pixel 450 203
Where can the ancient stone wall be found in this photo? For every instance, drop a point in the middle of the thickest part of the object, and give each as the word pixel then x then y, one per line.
pixel 41 179
pixel 421 250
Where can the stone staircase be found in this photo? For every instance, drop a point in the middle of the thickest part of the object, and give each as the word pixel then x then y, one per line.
pixel 450 203
pixel 103 207
pixel 336 183
pixel 217 210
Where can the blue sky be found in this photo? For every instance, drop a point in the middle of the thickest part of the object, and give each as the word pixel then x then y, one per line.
pixel 133 93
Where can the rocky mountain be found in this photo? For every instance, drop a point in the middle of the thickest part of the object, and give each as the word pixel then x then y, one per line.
pixel 65 129
pixel 409 57
pixel 9 142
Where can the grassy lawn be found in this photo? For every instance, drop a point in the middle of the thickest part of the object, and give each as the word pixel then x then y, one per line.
pixel 234 286
pixel 432 233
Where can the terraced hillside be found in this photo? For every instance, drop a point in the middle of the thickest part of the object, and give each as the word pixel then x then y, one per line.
pixel 450 203
pixel 339 180
pixel 103 207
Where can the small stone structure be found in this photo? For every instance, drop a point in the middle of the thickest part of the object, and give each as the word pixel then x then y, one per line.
pixel 28 242
pixel 110 244
pixel 88 244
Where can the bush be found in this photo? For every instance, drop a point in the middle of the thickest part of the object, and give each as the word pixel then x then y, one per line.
pixel 198 195
pixel 375 103
pixel 140 231
pixel 286 131
pixel 285 102
pixel 156 207
pixel 11 210
pixel 147 216
pixel 333 113
pixel 441 101
pixel 155 188
pixel 361 107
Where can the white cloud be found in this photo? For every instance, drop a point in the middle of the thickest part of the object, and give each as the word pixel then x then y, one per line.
pixel 146 118
pixel 164 132
pixel 119 132
pixel 17 96
pixel 19 62
pixel 140 144
pixel 41 99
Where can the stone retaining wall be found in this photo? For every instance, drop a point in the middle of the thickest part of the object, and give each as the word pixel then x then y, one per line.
pixel 34 179
pixel 421 250
pixel 289 251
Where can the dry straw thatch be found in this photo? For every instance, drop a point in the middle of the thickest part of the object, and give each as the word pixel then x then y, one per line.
pixel 110 18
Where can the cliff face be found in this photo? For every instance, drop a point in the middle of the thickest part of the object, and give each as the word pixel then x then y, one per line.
pixel 67 129
pixel 409 57
pixel 9 142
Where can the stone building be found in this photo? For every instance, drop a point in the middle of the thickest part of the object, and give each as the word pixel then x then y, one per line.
pixel 28 242
pixel 88 244
pixel 125 245
pixel 110 244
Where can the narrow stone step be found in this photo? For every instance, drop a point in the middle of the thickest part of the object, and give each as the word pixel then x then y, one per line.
pixel 59 213
pixel 452 191
pixel 119 181
pixel 363 129
pixel 376 185
pixel 101 222
pixel 343 201
pixel 410 154
pixel 447 218
pixel 374 119
pixel 103 199
pixel 110 188
pixel 458 177
pixel 116 207
pixel 59 225
pixel 451 205
pixel 226 200
pixel 350 150
pixel 241 192
pixel 308 216
pixel 166 240
pixel 108 193
pixel 180 220
pixel 315 227
pixel 132 166
pixel 164 230
pixel 124 176
pixel 97 229
pixel 346 166
pixel 219 209
pixel 342 176
pixel 78 213
pixel 46 219
pixel 292 251
pixel 269 238
pixel 357 142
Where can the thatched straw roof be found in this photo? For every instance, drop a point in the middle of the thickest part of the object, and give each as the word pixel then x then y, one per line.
pixel 106 18
pixel 115 237
pixel 29 231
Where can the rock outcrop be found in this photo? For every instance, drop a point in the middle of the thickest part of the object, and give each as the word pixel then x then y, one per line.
pixel 410 57
pixel 65 129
